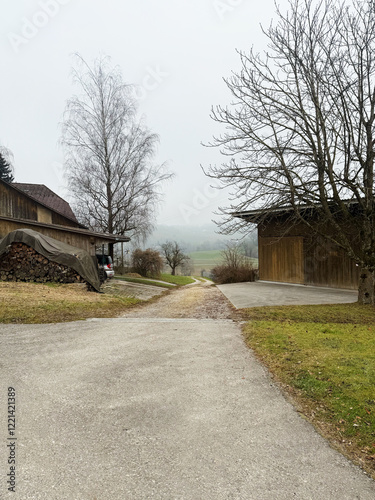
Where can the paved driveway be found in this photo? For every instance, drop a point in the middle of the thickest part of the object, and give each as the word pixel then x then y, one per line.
pixel 262 293
pixel 133 409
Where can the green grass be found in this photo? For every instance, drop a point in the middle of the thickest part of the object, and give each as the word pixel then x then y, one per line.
pixel 209 259
pixel 207 255
pixel 144 281
pixel 177 280
pixel 326 356
pixel 332 313
pixel 205 260
pixel 170 281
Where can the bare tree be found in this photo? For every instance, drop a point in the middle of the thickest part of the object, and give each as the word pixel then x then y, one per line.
pixel 174 255
pixel 235 267
pixel 250 246
pixel 147 262
pixel 300 130
pixel 109 154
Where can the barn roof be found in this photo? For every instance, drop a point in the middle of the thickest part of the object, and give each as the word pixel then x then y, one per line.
pixel 44 195
pixel 258 215
pixel 47 198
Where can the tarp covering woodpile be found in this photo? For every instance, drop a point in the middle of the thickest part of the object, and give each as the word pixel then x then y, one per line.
pixel 55 251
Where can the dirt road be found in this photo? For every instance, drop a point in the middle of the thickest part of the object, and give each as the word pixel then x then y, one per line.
pixel 199 301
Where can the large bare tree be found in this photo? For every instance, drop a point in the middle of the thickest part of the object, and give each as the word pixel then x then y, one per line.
pixel 300 131
pixel 109 154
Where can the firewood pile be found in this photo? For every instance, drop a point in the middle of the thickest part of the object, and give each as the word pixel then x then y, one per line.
pixel 23 263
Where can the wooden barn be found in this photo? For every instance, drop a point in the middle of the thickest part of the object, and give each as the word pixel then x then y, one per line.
pixel 290 253
pixel 36 207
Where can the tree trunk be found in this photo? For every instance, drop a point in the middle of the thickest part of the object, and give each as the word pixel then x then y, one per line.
pixel 366 289
pixel 173 271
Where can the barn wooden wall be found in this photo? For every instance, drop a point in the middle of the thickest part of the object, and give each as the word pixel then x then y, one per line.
pixel 290 254
pixel 17 205
pixel 76 240
pixel 327 265
pixel 281 259
pixel 13 204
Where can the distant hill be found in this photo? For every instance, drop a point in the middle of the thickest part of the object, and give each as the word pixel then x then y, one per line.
pixel 190 238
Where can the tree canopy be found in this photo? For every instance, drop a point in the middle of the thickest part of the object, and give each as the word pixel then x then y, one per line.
pixel 300 131
pixel 173 255
pixel 109 154
pixel 6 170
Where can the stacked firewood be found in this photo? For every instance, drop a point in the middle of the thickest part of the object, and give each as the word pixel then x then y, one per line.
pixel 23 263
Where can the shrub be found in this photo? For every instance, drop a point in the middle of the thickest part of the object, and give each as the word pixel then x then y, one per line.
pixel 227 274
pixel 147 262
pixel 236 268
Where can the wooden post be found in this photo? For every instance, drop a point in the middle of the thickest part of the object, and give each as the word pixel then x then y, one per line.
pixel 122 257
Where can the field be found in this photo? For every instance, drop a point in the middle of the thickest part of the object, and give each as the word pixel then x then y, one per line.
pixel 207 260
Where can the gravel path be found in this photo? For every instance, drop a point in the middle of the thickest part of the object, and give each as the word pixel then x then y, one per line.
pixel 199 301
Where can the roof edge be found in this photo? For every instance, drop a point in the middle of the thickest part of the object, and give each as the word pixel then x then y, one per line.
pixel 115 238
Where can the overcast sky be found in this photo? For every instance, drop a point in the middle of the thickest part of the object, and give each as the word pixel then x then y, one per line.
pixel 176 51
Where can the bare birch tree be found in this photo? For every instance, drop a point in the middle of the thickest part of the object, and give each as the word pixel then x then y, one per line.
pixel 109 154
pixel 300 131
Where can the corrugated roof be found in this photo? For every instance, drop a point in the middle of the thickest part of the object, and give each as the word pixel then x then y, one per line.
pixel 44 195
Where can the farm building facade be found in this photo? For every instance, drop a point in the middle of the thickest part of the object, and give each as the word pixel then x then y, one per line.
pixel 36 207
pixel 289 252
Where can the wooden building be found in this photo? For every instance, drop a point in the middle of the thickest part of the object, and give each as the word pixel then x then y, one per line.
pixel 290 253
pixel 36 207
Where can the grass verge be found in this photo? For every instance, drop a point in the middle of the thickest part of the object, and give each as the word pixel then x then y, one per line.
pixel 324 357
pixel 169 280
pixel 177 280
pixel 42 303
pixel 145 281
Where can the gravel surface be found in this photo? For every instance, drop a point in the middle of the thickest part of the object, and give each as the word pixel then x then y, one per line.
pixel 128 289
pixel 198 301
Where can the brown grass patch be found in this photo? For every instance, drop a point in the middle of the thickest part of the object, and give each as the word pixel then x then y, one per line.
pixel 53 303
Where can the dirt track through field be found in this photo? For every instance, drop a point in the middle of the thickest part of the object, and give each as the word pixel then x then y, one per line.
pixel 199 301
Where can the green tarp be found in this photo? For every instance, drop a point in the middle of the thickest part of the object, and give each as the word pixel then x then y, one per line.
pixel 56 251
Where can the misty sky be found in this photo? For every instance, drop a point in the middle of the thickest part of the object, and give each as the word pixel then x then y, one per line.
pixel 175 51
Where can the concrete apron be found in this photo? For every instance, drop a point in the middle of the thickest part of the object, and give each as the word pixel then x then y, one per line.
pixel 125 409
pixel 265 293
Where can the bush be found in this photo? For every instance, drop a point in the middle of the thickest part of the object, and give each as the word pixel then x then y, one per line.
pixel 236 267
pixel 148 263
pixel 227 274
